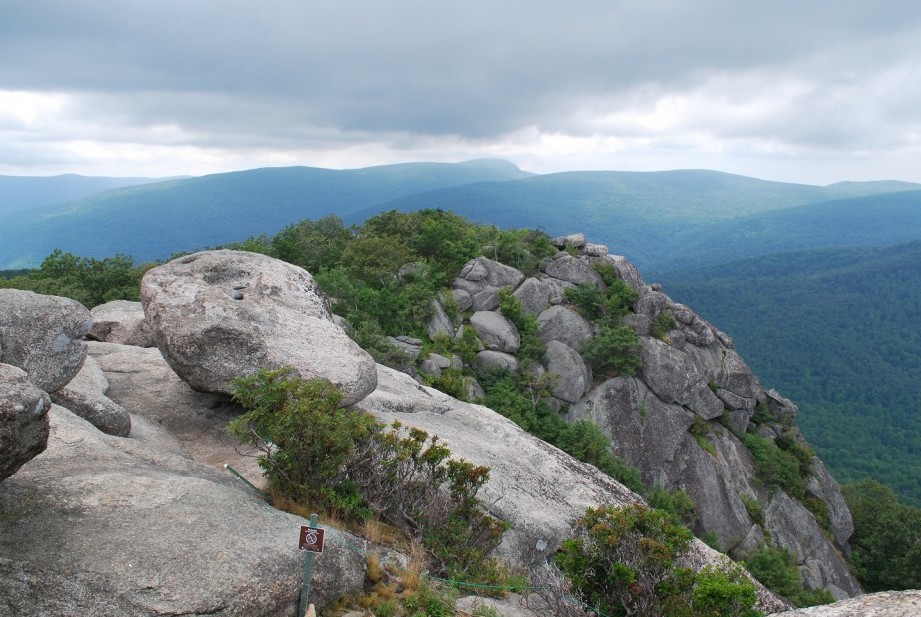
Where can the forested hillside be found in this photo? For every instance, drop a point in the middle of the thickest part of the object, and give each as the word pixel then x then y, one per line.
pixel 836 330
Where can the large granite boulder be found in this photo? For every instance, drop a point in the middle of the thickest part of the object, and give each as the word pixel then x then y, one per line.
pixel 121 321
pixel 102 526
pixel 217 315
pixel 496 331
pixel 573 270
pixel 43 335
pixel 23 419
pixel 563 324
pixel 85 396
pixel 482 278
pixel 534 295
pixel 675 378
pixel 573 376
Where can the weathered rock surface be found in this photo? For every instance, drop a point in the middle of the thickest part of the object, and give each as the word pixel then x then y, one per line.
pixel 489 360
pixel 43 335
pixel 535 487
pixel 85 396
pixel 102 526
pixel 121 321
pixel 795 529
pixel 496 331
pixel 482 278
pixel 572 270
pixel 882 604
pixel 23 420
pixel 217 315
pixel 563 324
pixel 534 295
pixel 675 378
pixel 574 377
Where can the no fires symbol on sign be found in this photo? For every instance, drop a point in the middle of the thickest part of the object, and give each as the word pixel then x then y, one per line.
pixel 311 539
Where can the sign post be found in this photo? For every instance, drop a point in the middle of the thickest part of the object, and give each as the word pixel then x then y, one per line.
pixel 311 540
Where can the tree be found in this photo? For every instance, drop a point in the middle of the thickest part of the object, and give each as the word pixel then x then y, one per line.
pixel 887 537
pixel 622 562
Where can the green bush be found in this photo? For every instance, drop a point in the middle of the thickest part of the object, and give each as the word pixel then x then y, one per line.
pixel 508 394
pixel 663 324
pixel 588 300
pixel 677 503
pixel 532 348
pixel 622 562
pixel 86 280
pixel 317 453
pixel 775 467
pixel 614 351
pixel 774 568
pixel 886 542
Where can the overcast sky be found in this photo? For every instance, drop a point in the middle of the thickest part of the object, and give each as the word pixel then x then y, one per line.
pixel 809 91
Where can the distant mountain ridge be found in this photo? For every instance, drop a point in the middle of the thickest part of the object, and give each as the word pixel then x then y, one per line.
pixel 24 192
pixel 154 220
pixel 657 219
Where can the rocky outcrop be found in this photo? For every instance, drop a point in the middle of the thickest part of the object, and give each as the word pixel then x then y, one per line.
pixel 882 604
pixel 85 396
pixel 23 421
pixel 482 279
pixel 217 315
pixel 121 321
pixel 43 335
pixel 495 331
pixel 105 526
pixel 679 420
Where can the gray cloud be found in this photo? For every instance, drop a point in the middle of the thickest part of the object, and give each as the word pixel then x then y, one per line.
pixel 321 75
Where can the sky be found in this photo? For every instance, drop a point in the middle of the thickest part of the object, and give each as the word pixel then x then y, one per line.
pixel 801 91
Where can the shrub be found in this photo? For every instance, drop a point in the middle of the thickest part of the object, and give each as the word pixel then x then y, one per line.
pixel 305 438
pixel 588 300
pixel 615 351
pixel 775 569
pixel 315 451
pixel 753 507
pixel 622 562
pixel 701 429
pixel 677 503
pixel 531 349
pixel 775 467
pixel 663 324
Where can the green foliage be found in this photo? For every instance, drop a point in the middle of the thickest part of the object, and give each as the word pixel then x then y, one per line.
pixel 614 351
pixel 315 452
pixel 701 429
pixel 312 245
pixel 305 437
pixel 88 281
pixel 532 348
pixel 774 568
pixel 886 545
pixel 676 502
pixel 431 601
pixel 775 467
pixel 451 382
pixel 521 400
pixel 622 562
pixel 588 300
pixel 753 507
pixel 663 324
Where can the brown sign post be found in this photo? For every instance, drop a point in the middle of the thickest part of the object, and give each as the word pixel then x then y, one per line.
pixel 311 539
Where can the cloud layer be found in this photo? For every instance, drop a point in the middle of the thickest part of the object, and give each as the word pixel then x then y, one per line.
pixel 804 91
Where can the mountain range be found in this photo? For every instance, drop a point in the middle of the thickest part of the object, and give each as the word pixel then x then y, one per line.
pixel 819 285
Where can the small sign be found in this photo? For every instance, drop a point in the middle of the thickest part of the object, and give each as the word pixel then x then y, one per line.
pixel 311 539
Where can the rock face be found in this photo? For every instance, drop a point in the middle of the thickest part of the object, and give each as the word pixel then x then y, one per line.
pixel 120 527
pixel 85 396
pixel 217 315
pixel 43 335
pixel 539 490
pixel 121 321
pixel 883 604
pixel 23 423
pixel 682 418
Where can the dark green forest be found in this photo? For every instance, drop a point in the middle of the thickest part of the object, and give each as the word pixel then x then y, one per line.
pixel 836 331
